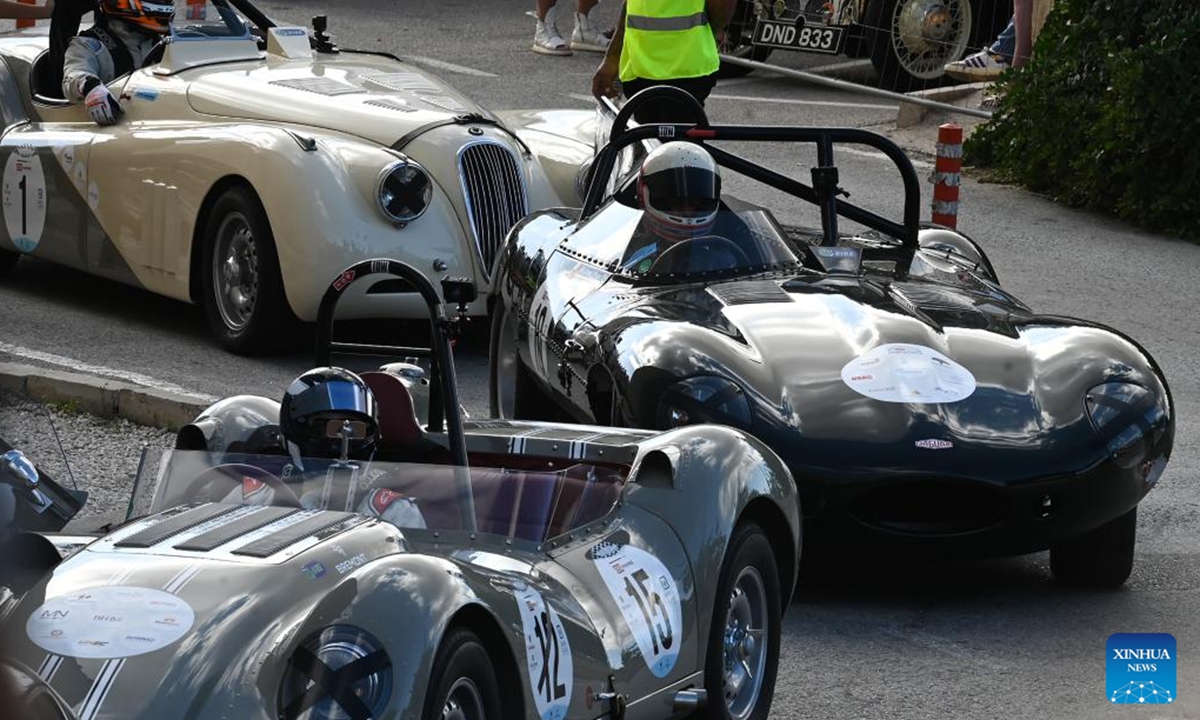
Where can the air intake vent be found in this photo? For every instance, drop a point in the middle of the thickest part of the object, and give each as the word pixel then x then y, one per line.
pixel 749 292
pixel 495 195
pixel 321 86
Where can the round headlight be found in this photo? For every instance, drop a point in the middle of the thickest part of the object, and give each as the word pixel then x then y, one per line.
pixel 704 399
pixel 1128 418
pixel 405 190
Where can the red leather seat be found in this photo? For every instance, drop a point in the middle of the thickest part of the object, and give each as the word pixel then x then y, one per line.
pixel 398 423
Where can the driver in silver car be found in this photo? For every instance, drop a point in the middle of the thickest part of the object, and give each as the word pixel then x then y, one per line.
pixel 123 35
pixel 330 413
pixel 679 190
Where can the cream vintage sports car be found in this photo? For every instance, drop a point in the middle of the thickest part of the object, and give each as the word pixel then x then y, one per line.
pixel 253 159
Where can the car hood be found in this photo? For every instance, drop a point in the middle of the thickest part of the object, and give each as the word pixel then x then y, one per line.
pixel 135 621
pixel 918 374
pixel 363 95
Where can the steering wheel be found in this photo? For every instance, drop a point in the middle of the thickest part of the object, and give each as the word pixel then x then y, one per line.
pixel 712 243
pixel 235 473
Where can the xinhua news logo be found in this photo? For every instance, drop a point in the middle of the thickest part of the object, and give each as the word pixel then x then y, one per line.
pixel 1141 668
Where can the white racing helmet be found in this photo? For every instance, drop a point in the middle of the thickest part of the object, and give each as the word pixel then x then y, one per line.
pixel 680 190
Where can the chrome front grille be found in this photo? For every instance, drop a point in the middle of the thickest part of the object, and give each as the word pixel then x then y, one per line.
pixel 495 195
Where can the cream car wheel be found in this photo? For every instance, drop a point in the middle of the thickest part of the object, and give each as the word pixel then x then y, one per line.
pixel 912 40
pixel 242 287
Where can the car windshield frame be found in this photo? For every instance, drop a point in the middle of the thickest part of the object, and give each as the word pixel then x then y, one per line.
pixel 424 500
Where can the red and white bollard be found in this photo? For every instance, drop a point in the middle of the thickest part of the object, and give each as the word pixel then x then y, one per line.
pixel 947 175
pixel 26 22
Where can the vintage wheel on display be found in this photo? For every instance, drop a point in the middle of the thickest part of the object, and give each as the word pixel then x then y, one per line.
pixel 513 394
pixel 740 31
pixel 465 685
pixel 743 642
pixel 1100 558
pixel 911 41
pixel 242 285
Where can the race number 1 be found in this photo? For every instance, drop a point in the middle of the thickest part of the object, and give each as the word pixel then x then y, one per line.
pixel 24 199
pixel 648 598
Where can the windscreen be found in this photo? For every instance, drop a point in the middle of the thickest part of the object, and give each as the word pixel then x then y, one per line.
pixel 508 503
pixel 735 243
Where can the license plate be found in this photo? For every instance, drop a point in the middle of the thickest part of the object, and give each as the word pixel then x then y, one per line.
pixel 789 36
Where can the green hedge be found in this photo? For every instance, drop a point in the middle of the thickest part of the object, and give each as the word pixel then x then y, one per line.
pixel 1107 115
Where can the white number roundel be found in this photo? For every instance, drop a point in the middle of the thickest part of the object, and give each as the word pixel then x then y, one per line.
pixel 24 199
pixel 648 598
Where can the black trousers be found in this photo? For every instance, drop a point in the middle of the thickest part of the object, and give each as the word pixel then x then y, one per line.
pixel 661 111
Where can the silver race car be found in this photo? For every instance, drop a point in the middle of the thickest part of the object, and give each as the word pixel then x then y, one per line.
pixel 467 570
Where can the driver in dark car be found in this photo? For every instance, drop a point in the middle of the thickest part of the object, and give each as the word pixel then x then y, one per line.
pixel 679 190
pixel 330 413
pixel 123 35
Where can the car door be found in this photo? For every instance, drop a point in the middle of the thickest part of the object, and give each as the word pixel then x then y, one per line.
pixel 45 183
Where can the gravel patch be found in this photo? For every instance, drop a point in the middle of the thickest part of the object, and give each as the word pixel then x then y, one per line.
pixel 101 454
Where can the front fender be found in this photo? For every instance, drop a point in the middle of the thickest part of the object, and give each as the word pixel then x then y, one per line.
pixel 730 477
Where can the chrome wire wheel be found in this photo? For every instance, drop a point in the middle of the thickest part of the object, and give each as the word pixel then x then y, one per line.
pixel 927 34
pixel 236 271
pixel 745 643
pixel 464 702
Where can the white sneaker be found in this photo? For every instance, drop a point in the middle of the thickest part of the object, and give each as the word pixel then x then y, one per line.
pixel 983 65
pixel 586 36
pixel 546 39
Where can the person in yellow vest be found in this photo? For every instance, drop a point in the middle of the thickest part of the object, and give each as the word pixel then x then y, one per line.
pixel 664 42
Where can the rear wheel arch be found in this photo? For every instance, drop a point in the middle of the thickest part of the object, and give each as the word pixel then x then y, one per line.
pixel 481 622
pixel 763 512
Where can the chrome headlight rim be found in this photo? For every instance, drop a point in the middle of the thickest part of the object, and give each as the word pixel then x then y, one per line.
pixel 380 190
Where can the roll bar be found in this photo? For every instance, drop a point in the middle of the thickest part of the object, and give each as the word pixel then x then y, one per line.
pixel 444 406
pixel 824 191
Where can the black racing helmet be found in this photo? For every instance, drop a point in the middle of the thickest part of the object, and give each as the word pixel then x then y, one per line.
pixel 317 406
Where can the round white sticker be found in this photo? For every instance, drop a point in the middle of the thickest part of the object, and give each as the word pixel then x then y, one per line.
pixel 649 600
pixel 24 199
pixel 903 373
pixel 548 653
pixel 110 622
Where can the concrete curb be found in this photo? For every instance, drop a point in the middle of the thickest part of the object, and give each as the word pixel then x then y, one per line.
pixel 101 396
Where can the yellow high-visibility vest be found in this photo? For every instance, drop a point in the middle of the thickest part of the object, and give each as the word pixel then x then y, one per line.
pixel 667 40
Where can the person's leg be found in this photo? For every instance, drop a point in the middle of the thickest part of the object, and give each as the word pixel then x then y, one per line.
pixel 586 36
pixel 546 38
pixel 1006 41
pixel 1023 19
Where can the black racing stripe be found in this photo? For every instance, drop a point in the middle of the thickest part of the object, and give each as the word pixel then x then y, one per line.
pixel 173 526
pixel 273 543
pixel 231 531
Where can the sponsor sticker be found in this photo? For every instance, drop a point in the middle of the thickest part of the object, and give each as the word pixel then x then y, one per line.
pixel 110 622
pixel 904 373
pixel 313 570
pixel 934 444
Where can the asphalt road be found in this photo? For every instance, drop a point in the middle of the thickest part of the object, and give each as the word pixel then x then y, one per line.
pixel 972 640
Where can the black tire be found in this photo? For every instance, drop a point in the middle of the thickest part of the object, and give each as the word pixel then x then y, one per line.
pixel 7 260
pixel 1100 558
pixel 527 401
pixel 463 674
pixel 908 62
pixel 749 564
pixel 263 324
pixel 738 33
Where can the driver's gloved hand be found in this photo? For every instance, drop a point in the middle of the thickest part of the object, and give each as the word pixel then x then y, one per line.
pixel 101 105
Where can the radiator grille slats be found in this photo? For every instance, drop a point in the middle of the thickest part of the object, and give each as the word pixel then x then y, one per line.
pixel 494 193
